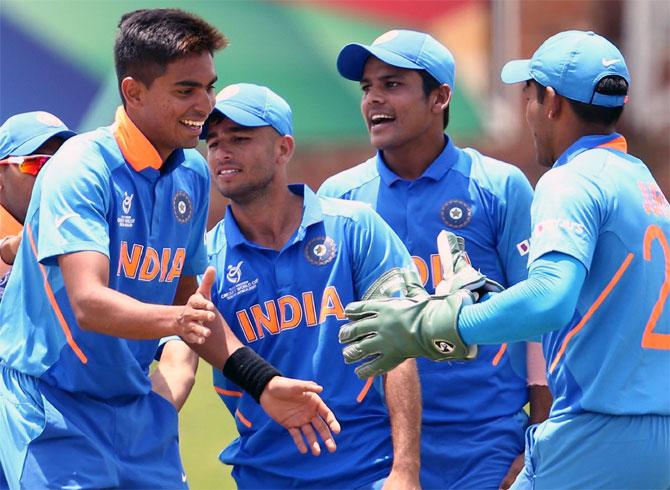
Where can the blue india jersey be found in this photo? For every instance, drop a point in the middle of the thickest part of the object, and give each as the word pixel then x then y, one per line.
pixel 149 222
pixel 603 207
pixel 288 306
pixel 488 203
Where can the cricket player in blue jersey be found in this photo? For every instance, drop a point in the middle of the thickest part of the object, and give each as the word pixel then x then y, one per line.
pixel 597 289
pixel 27 141
pixel 420 182
pixel 114 235
pixel 287 263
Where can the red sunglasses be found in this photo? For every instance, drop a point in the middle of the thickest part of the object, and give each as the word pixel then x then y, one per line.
pixel 31 164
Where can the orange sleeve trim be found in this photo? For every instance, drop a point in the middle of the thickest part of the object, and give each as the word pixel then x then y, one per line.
pixel 223 392
pixel 498 356
pixel 243 419
pixel 594 307
pixel 619 144
pixel 364 391
pixel 136 148
pixel 52 299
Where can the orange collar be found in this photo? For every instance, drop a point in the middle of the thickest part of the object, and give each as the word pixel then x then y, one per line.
pixel 618 143
pixel 136 148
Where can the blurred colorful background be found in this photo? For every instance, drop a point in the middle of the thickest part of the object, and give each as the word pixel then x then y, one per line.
pixel 56 55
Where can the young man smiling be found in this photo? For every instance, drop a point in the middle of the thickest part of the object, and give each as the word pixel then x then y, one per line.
pixel 288 262
pixel 113 237
pixel 421 183
pixel 597 289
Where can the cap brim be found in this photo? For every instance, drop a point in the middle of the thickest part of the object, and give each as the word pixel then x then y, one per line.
pixel 516 71
pixel 240 116
pixel 28 147
pixel 352 58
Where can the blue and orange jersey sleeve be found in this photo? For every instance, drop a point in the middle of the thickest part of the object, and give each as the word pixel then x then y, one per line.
pixel 73 203
pixel 566 215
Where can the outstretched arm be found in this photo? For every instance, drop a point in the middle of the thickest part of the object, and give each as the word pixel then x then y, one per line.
pixel 174 376
pixel 294 404
pixel 548 299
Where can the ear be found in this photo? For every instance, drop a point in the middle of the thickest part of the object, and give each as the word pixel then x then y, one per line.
pixel 553 103
pixel 284 148
pixel 132 91
pixel 442 95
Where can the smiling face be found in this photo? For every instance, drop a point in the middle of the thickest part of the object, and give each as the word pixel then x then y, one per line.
pixel 394 106
pixel 171 111
pixel 244 161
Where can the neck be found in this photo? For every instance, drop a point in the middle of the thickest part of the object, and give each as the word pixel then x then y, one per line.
pixel 575 130
pixel 409 161
pixel 163 152
pixel 270 219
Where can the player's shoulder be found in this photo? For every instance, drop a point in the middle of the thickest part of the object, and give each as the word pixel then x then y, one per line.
pixel 93 152
pixel 344 208
pixel 215 239
pixel 491 169
pixel 496 176
pixel 194 161
pixel 348 180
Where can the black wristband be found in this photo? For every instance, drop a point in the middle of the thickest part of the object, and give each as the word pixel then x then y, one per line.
pixel 249 371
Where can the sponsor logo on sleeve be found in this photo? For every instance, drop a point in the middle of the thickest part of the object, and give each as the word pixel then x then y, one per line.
pixel 523 247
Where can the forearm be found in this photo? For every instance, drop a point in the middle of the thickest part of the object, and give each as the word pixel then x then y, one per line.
pixel 104 310
pixel 403 398
pixel 220 344
pixel 547 299
pixel 174 376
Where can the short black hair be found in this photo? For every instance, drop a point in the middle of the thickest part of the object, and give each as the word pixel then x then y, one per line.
pixel 590 113
pixel 430 84
pixel 149 39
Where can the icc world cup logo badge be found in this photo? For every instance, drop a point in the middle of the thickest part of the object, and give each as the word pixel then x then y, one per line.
pixel 182 207
pixel 456 213
pixel 320 250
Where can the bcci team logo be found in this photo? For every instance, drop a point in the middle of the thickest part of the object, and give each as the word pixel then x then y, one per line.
pixel 182 207
pixel 234 272
pixel 456 213
pixel 320 250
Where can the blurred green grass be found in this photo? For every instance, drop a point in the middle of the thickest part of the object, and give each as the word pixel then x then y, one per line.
pixel 205 428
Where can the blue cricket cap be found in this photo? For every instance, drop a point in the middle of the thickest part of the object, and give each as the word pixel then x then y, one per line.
pixel 405 49
pixel 253 106
pixel 572 63
pixel 22 134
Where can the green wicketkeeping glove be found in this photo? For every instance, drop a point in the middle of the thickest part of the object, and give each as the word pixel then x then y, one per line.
pixel 392 330
pixel 457 270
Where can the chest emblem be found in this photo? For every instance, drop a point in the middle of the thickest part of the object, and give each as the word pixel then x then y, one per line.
pixel 320 250
pixel 234 272
pixel 456 213
pixel 126 220
pixel 182 207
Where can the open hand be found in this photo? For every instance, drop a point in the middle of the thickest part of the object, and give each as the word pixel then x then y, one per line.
pixel 296 405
